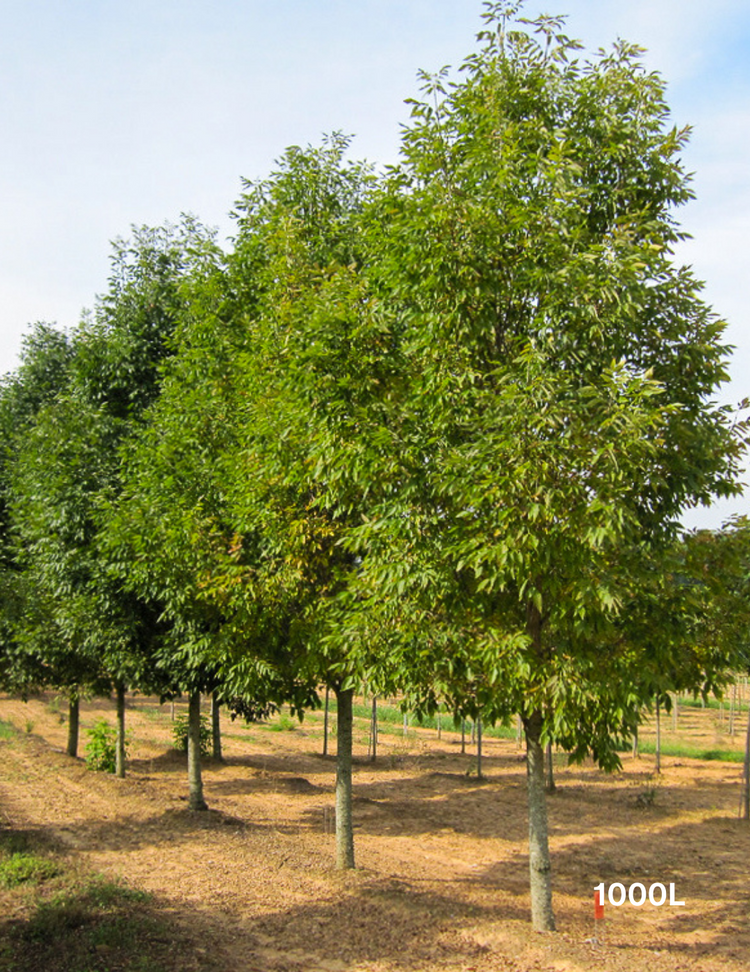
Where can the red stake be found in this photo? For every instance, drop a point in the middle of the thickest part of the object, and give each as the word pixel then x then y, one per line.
pixel 598 906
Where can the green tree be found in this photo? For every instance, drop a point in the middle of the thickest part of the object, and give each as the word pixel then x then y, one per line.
pixel 68 463
pixel 43 373
pixel 310 373
pixel 554 412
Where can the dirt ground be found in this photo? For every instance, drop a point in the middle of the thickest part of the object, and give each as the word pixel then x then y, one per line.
pixel 442 869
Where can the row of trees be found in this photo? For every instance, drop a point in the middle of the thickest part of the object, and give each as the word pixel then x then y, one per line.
pixel 428 430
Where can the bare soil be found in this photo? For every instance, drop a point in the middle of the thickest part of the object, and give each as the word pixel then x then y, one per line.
pixel 442 870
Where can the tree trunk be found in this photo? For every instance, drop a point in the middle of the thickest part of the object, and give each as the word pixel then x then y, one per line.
pixel 195 779
pixel 216 728
pixel 542 917
pixel 73 723
pixel 746 774
pixel 374 729
pixel 120 741
pixel 325 724
pixel 658 736
pixel 550 781
pixel 344 827
pixel 479 747
pixel 635 742
pixel 463 736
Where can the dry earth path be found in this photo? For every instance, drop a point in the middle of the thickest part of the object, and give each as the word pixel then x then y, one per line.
pixel 441 882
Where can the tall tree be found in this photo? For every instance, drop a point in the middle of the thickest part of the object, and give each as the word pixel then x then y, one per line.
pixel 68 462
pixel 554 413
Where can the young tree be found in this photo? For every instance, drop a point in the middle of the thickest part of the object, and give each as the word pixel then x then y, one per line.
pixel 311 370
pixel 554 412
pixel 43 373
pixel 67 463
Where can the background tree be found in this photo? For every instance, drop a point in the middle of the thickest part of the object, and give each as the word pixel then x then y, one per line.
pixel 68 462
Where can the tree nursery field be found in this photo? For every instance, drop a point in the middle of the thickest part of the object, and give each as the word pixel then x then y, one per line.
pixel 99 874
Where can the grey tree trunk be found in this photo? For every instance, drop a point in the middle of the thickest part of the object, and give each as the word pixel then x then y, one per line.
pixel 195 779
pixel 374 729
pixel 658 736
pixel 73 724
pixel 120 741
pixel 463 736
pixel 216 728
pixel 540 877
pixel 344 826
pixel 325 724
pixel 746 774
pixel 635 742
pixel 479 747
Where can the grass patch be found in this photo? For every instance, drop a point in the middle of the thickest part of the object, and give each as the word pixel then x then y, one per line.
pixel 713 703
pixel 687 751
pixel 22 868
pixel 57 919
pixel 6 730
pixel 393 715
pixel 283 724
pixel 95 926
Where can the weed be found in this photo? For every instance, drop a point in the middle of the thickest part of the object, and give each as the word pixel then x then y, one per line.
pixel 6 730
pixel 22 868
pixel 29 726
pixel 14 842
pixel 284 724
pixel 180 735
pixel 646 798
pixel 101 751
pixel 103 893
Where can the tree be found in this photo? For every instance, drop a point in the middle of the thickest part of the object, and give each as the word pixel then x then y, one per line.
pixel 310 371
pixel 42 374
pixel 76 615
pixel 553 414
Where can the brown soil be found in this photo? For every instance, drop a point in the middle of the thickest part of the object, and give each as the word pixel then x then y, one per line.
pixel 441 882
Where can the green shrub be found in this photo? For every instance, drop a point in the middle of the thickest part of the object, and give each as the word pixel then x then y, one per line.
pixel 101 750
pixel 180 735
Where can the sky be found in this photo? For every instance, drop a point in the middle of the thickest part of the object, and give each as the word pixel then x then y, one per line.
pixel 116 113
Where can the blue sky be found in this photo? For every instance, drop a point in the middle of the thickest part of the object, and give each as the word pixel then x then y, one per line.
pixel 115 112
